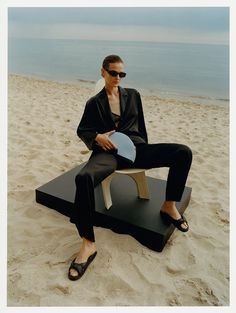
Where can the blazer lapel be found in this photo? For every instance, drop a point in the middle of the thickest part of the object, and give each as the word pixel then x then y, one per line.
pixel 123 99
pixel 104 107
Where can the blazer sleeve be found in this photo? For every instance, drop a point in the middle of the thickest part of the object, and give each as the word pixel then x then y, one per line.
pixel 87 127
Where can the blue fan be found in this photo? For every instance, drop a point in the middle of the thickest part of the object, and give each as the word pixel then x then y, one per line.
pixel 125 145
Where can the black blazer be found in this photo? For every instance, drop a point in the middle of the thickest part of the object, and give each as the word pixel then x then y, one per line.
pixel 97 118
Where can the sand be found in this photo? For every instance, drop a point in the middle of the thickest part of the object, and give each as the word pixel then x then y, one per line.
pixel 193 268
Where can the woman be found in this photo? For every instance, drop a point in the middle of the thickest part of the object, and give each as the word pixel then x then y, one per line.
pixel 120 109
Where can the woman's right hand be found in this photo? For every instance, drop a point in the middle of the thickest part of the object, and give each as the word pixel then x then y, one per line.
pixel 104 141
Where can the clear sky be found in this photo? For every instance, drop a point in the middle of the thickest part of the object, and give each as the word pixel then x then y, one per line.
pixel 193 25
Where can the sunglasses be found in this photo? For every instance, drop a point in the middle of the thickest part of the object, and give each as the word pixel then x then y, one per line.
pixel 115 73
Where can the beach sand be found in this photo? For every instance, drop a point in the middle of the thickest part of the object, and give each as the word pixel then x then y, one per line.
pixel 193 268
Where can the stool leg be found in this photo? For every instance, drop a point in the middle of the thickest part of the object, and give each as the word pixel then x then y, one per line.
pixel 106 190
pixel 141 183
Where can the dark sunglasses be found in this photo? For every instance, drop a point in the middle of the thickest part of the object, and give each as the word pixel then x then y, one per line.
pixel 115 73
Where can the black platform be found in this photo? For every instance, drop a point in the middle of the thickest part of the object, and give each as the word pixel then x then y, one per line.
pixel 128 214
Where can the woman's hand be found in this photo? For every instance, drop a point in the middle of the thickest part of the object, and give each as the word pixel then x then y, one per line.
pixel 104 141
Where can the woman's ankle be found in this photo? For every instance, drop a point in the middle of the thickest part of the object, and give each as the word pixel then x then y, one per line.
pixel 168 206
pixel 88 242
pixel 88 245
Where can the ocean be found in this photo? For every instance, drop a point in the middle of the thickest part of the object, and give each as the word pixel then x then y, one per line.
pixel 168 69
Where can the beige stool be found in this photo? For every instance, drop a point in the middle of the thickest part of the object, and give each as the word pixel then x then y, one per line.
pixel 137 174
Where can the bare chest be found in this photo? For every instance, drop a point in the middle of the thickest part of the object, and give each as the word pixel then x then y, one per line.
pixel 114 102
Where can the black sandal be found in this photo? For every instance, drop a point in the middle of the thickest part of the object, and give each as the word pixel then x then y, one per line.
pixel 80 267
pixel 177 223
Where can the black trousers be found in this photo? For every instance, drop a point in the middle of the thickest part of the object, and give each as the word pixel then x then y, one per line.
pixel 176 157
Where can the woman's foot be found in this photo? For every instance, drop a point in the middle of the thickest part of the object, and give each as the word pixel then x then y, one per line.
pixel 169 209
pixel 87 249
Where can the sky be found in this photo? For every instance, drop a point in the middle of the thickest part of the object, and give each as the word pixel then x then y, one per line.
pixel 173 24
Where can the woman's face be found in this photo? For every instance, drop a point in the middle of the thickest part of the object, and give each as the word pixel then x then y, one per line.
pixel 113 81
